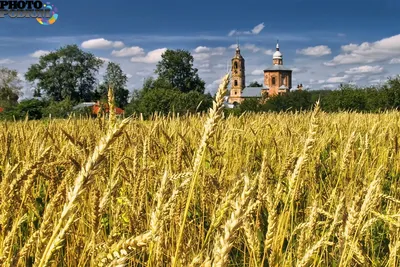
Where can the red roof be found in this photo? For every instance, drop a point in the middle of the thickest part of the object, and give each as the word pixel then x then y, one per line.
pixel 96 108
pixel 1 109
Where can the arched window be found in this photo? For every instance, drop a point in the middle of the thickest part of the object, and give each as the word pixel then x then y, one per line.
pixel 273 80
pixel 235 65
pixel 236 83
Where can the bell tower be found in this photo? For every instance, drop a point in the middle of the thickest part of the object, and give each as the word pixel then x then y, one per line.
pixel 238 79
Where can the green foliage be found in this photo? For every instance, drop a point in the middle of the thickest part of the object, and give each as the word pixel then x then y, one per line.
pixel 345 98
pixel 31 108
pixel 10 87
pixel 65 73
pixel 176 67
pixel 116 79
pixel 166 100
pixel 58 109
pixel 255 84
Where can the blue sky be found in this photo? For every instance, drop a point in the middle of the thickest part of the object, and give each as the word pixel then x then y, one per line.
pixel 325 42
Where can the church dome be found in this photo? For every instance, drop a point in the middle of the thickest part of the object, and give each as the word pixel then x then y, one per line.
pixel 277 55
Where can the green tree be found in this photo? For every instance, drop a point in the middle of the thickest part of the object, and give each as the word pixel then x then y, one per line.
pixel 255 84
pixel 67 72
pixel 176 67
pixel 116 79
pixel 10 87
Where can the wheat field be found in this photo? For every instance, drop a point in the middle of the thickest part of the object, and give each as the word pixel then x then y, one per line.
pixel 300 189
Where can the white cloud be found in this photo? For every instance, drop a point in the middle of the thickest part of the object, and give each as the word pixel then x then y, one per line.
pixel 341 35
pixel 342 79
pixel 202 49
pixel 316 51
pixel 201 56
pixel 256 30
pixel 6 61
pixel 365 69
pixel 39 53
pixel 376 81
pixel 151 57
pixel 218 51
pixel 395 61
pixel 312 81
pixel 269 52
pixel 143 73
pixel 219 66
pixel 101 43
pixel 329 86
pixel 257 72
pixel 368 52
pixel 203 53
pixel 253 48
pixel 128 52
pixel 129 76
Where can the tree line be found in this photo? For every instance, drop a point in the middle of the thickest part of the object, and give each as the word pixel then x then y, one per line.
pixel 68 76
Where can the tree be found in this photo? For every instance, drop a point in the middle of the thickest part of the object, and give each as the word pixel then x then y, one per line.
pixel 255 84
pixel 67 72
pixel 176 67
pixel 10 87
pixel 116 79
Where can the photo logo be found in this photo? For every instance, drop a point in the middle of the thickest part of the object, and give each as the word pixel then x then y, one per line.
pixel 44 13
pixel 53 12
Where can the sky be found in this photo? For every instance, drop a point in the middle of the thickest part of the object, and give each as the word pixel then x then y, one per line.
pixel 324 42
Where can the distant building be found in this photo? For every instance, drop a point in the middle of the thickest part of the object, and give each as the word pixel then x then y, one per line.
pixel 277 79
pixel 96 107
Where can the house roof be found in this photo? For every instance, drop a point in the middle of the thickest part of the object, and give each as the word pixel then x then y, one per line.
pixel 277 68
pixel 84 105
pixel 252 92
pixel 1 109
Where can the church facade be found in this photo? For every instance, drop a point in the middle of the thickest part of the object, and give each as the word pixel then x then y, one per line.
pixel 277 79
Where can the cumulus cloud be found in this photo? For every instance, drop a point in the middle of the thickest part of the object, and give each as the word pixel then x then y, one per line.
pixel 256 30
pixel 329 86
pixel 253 48
pixel 202 49
pixel 151 57
pixel 39 53
pixel 339 79
pixel 6 61
pixel 101 43
pixel 312 81
pixel 257 72
pixel 316 51
pixel 395 61
pixel 128 52
pixel 203 53
pixel 365 69
pixel 368 52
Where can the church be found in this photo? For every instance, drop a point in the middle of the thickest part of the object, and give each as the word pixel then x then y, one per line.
pixel 277 79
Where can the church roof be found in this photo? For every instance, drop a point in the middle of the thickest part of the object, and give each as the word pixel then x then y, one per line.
pixel 252 92
pixel 277 68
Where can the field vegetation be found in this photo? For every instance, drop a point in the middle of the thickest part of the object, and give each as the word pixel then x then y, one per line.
pixel 302 189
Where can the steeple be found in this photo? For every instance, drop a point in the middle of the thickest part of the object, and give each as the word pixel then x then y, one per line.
pixel 238 79
pixel 277 58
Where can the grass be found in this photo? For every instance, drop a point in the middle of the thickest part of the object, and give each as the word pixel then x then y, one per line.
pixel 301 189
